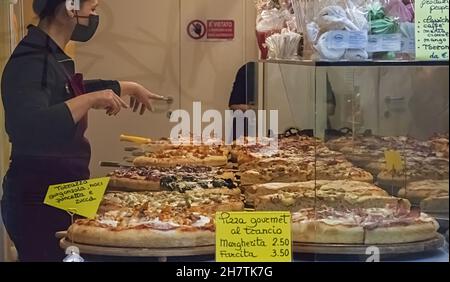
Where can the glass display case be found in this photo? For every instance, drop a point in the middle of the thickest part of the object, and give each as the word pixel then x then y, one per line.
pixel 380 132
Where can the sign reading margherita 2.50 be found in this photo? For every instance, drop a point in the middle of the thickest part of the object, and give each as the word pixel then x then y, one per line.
pixel 253 237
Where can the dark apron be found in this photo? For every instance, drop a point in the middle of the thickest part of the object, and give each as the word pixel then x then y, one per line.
pixel 31 224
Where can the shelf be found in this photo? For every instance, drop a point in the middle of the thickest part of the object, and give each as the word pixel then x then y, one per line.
pixel 368 63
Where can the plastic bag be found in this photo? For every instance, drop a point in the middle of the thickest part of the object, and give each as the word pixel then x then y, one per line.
pixel 398 10
pixel 269 22
pixel 385 18
pixel 324 17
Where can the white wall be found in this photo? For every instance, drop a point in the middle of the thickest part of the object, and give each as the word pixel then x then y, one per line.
pixel 146 41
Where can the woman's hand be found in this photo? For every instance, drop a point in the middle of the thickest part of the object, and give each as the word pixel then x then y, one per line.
pixel 107 100
pixel 140 97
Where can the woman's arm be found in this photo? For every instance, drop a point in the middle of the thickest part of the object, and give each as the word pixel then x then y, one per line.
pixel 92 86
pixel 140 97
pixel 105 99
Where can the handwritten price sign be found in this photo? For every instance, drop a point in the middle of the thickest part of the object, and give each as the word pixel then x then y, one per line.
pixel 253 237
pixel 394 161
pixel 81 197
pixel 432 29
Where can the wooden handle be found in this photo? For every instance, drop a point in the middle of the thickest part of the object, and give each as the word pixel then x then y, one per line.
pixel 135 139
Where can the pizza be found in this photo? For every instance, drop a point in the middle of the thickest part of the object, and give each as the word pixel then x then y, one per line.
pixel 431 195
pixel 420 190
pixel 178 178
pixel 156 220
pixel 367 152
pixel 440 145
pixel 301 169
pixel 290 147
pixel 436 205
pixel 368 226
pixel 336 194
pixel 415 169
pixel 185 155
pixel 297 158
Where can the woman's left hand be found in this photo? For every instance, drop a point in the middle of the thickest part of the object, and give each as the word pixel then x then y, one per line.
pixel 140 97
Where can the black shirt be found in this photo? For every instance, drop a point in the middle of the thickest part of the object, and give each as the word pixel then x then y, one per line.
pixel 244 86
pixel 35 85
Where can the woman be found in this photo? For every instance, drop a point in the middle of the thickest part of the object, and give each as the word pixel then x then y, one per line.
pixel 46 106
pixel 243 98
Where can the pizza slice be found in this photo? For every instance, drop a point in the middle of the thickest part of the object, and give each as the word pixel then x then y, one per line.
pixel 156 220
pixel 178 178
pixel 371 226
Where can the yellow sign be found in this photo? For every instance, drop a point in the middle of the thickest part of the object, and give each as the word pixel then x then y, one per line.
pixel 394 161
pixel 432 29
pixel 253 237
pixel 81 197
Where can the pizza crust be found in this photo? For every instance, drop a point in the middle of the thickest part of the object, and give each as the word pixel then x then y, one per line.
pixel 438 205
pixel 402 234
pixel 133 184
pixel 322 233
pixel 140 238
pixel 418 191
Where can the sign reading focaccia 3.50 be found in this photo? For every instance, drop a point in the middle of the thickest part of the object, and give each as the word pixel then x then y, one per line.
pixel 432 29
pixel 253 237
pixel 80 197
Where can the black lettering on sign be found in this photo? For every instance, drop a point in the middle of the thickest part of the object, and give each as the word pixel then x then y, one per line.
pixel 85 200
pixel 226 218
pixel 432 24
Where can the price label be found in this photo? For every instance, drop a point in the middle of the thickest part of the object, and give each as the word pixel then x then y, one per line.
pixel 432 38
pixel 80 197
pixel 384 42
pixel 343 39
pixel 253 237
pixel 393 161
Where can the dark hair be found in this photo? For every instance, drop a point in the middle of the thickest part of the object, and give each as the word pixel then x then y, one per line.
pixel 47 8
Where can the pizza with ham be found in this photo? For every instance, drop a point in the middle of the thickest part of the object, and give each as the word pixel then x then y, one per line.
pixel 156 220
pixel 368 226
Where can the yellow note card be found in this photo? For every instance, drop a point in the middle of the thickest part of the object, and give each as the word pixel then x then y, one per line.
pixel 81 197
pixel 432 29
pixel 394 161
pixel 253 237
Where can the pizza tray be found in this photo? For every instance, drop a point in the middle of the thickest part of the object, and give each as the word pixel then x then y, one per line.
pixel 389 249
pixel 161 253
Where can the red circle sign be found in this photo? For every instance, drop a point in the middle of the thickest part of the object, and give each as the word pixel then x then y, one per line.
pixel 196 29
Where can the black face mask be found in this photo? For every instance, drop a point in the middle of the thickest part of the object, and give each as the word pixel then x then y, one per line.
pixel 83 33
